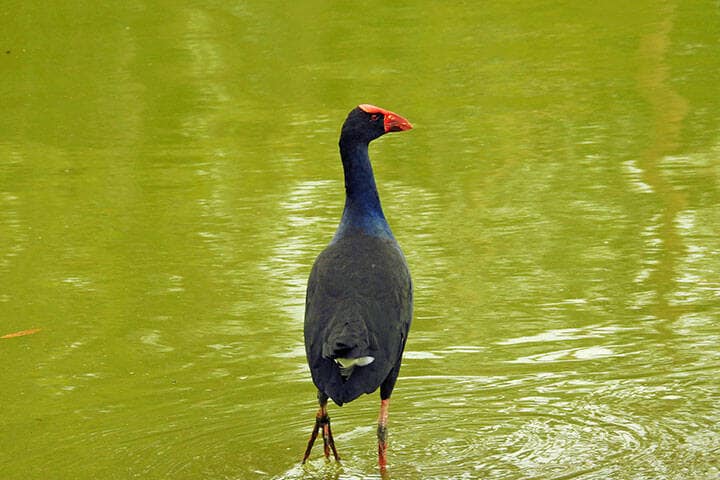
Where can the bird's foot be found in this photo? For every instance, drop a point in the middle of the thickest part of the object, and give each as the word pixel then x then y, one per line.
pixel 328 441
pixel 322 422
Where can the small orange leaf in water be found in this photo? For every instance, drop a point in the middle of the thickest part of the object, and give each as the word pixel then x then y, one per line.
pixel 21 334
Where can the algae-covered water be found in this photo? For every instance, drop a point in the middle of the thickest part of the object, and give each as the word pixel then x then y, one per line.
pixel 169 171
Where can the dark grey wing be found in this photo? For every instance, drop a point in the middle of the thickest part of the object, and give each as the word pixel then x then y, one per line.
pixel 359 297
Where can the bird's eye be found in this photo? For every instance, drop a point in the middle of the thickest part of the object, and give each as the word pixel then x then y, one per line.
pixel 374 117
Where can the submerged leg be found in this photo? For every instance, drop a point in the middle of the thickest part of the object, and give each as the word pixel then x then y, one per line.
pixel 382 433
pixel 322 421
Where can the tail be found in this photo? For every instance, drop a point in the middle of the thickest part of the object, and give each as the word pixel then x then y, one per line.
pixel 347 365
pixel 347 343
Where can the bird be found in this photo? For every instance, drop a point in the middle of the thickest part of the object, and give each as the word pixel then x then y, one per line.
pixel 359 300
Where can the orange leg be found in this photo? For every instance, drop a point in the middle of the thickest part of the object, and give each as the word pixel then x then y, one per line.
pixel 382 433
pixel 322 421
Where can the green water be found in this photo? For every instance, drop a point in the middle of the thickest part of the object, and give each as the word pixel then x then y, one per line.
pixel 169 170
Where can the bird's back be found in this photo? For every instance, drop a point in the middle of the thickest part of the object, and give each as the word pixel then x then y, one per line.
pixel 359 303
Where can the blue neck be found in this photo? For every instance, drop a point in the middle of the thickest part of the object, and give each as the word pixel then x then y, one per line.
pixel 363 213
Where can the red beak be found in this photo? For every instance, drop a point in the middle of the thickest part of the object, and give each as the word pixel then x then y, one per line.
pixel 393 121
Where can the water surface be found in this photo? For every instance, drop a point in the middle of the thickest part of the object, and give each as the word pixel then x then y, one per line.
pixel 169 172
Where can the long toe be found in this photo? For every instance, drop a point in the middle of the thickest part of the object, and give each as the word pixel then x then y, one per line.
pixel 311 441
pixel 328 440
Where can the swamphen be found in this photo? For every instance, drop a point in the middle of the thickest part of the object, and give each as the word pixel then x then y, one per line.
pixel 359 296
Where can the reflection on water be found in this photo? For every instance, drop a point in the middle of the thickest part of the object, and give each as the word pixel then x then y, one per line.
pixel 168 175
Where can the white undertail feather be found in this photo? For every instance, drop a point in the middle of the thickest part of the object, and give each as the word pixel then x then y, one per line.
pixel 348 364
